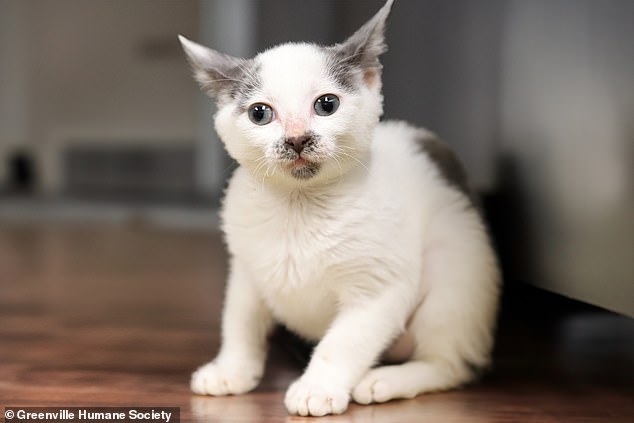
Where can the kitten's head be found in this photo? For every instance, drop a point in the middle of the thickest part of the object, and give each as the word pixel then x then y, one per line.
pixel 297 112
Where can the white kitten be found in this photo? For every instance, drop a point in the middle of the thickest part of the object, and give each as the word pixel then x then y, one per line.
pixel 356 234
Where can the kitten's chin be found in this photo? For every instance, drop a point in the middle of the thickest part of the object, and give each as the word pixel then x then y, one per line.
pixel 303 169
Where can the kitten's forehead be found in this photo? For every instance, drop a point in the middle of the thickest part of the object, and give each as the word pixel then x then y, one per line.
pixel 293 68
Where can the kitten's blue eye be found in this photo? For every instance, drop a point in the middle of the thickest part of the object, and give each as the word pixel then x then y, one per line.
pixel 260 113
pixel 326 105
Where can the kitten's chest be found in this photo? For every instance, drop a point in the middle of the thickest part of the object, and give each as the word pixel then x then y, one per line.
pixel 292 250
pixel 287 242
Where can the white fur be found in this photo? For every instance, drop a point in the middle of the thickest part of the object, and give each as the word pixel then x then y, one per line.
pixel 375 248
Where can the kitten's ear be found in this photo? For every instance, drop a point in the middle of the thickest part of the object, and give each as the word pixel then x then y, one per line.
pixel 214 71
pixel 364 47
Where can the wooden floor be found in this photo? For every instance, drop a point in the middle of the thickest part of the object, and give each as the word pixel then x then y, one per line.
pixel 114 315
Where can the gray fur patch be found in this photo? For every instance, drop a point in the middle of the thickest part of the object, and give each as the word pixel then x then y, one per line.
pixel 447 163
pixel 343 72
pixel 307 171
pixel 243 84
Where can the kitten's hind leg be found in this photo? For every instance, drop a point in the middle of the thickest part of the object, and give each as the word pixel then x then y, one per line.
pixel 436 364
pixel 453 327
pixel 407 380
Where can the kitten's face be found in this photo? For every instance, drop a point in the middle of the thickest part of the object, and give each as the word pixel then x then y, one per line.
pixel 298 112
pixel 298 120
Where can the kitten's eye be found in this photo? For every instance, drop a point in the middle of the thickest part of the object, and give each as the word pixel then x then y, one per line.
pixel 326 105
pixel 260 113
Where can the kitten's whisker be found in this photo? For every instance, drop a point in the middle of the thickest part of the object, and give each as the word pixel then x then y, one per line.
pixel 355 159
pixel 333 156
pixel 224 80
pixel 261 164
pixel 271 168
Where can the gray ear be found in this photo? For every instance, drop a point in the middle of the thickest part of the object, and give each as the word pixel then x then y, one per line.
pixel 217 73
pixel 364 47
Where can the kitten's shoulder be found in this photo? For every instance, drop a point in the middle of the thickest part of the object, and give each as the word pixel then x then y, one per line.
pixel 423 141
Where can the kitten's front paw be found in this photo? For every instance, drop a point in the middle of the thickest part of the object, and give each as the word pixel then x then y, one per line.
pixel 312 399
pixel 214 379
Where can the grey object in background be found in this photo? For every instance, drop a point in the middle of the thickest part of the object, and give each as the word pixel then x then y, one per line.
pixel 567 124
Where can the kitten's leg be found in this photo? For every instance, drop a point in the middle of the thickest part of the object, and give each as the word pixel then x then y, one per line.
pixel 246 323
pixel 408 380
pixel 453 327
pixel 350 347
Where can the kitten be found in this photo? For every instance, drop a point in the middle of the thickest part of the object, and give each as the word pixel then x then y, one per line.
pixel 358 235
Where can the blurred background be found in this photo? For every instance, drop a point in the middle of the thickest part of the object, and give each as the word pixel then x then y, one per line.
pixel 101 122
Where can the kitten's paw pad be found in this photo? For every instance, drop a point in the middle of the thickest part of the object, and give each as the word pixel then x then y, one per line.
pixel 310 399
pixel 212 379
pixel 377 386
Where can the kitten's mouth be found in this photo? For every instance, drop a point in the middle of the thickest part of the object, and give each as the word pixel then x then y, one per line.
pixel 299 162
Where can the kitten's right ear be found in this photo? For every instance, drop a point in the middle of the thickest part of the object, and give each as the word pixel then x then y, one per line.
pixel 363 48
pixel 214 71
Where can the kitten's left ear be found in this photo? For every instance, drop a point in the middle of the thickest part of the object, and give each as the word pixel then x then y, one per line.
pixel 363 48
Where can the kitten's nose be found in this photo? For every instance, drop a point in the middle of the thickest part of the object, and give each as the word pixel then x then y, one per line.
pixel 298 143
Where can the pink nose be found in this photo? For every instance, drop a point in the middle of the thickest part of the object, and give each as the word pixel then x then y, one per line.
pixel 295 128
